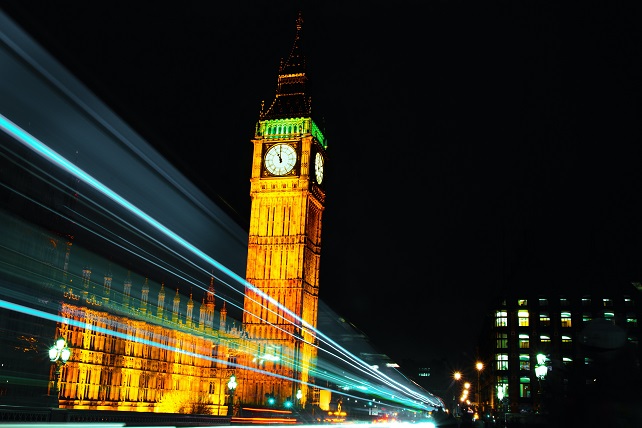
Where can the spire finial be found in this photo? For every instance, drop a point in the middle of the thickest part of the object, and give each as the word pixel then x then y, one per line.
pixel 299 21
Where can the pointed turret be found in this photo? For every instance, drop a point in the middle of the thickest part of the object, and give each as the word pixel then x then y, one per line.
pixel 223 321
pixel 202 315
pixel 161 301
pixel 190 311
pixel 107 288
pixel 86 282
pixel 175 309
pixel 127 289
pixel 144 296
pixel 291 99
pixel 210 294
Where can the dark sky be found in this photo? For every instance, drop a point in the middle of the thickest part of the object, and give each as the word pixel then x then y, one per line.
pixel 473 145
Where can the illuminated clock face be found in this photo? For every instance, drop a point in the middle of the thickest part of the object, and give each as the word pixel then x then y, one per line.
pixel 318 167
pixel 280 159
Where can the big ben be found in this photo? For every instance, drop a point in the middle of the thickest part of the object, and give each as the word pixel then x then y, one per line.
pixel 284 246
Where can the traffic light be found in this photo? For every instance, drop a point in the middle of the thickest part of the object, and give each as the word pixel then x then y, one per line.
pixel 270 399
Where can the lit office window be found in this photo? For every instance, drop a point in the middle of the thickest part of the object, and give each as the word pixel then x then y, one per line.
pixel 543 302
pixel 525 387
pixel 609 316
pixel 501 319
pixel 586 301
pixel 567 360
pixel 563 301
pixel 524 362
pixel 545 339
pixel 501 361
pixel 522 317
pixel 501 341
pixel 544 320
pixel 524 342
pixel 628 301
pixel 631 320
pixel 522 302
pixel 586 317
pixel 607 303
pixel 566 319
pixel 566 339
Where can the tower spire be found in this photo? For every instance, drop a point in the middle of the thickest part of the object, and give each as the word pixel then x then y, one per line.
pixel 291 98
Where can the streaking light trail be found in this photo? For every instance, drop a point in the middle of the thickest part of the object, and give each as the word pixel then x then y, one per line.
pixel 397 390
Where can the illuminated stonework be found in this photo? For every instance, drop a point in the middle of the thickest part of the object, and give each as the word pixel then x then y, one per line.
pixel 119 363
pixel 284 246
pixel 289 129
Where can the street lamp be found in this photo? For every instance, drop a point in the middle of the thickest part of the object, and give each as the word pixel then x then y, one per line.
pixel 457 378
pixel 465 392
pixel 479 366
pixel 59 354
pixel 541 370
pixel 231 385
pixel 299 395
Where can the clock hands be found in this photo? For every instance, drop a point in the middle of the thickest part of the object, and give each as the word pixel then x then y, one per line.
pixel 280 159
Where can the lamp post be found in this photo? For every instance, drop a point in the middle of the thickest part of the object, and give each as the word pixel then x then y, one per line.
pixel 465 393
pixel 479 366
pixel 299 395
pixel 59 354
pixel 541 370
pixel 501 394
pixel 457 378
pixel 231 385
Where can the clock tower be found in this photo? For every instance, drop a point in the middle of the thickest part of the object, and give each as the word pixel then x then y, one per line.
pixel 284 246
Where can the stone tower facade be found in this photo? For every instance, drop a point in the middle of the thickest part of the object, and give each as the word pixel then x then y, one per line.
pixel 284 247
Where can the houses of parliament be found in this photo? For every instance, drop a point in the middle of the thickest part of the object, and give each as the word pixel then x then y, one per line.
pixel 142 344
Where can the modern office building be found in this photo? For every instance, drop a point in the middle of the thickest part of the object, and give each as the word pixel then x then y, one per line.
pixel 542 350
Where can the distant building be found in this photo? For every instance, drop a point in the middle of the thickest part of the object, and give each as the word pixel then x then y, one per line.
pixel 579 335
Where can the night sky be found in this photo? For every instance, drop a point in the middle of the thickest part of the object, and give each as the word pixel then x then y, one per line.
pixel 473 146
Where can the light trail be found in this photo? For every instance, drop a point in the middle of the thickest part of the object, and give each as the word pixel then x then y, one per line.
pixel 341 353
pixel 257 425
pixel 126 336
